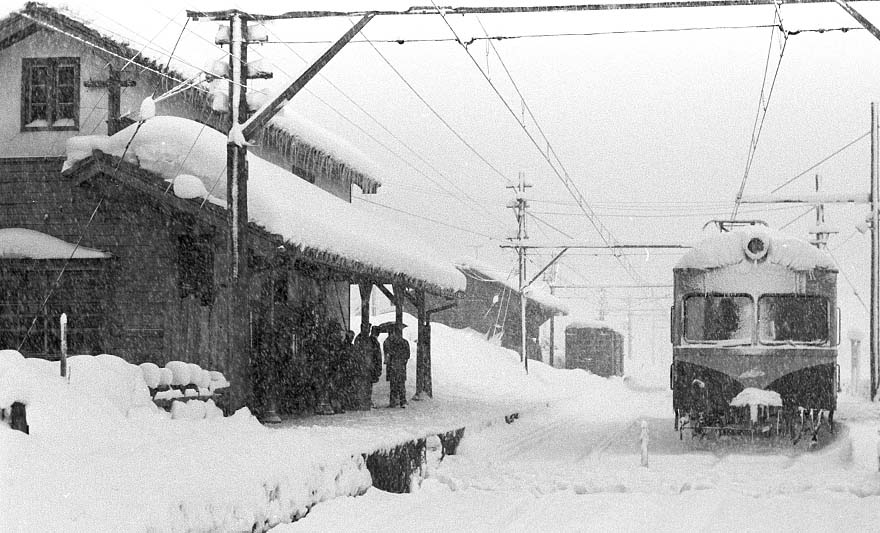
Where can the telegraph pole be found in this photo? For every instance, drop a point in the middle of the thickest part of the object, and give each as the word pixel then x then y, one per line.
pixel 240 129
pixel 550 278
pixel 519 206
pixel 873 198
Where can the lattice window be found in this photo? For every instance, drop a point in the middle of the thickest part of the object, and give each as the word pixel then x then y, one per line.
pixel 50 93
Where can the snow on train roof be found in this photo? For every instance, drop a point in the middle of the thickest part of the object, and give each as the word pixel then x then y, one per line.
pixel 182 150
pixel 726 249
pixel 585 323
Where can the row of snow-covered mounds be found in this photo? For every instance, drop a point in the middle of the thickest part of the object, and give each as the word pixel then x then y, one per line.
pixel 180 374
pixel 101 456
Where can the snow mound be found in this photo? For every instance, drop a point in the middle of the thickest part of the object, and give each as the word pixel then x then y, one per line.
pixel 181 372
pixel 188 187
pixel 151 373
pixel 753 396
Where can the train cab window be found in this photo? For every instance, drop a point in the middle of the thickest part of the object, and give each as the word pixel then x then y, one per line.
pixel 792 318
pixel 719 318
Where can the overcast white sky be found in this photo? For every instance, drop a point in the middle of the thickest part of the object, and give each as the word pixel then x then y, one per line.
pixel 653 127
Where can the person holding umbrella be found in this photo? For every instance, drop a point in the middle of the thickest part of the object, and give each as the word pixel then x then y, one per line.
pixel 397 351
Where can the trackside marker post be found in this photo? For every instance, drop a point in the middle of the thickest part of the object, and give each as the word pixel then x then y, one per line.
pixel 63 345
pixel 644 442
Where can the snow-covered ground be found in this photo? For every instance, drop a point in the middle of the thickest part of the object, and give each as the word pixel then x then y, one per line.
pixel 101 460
pixel 100 457
pixel 576 467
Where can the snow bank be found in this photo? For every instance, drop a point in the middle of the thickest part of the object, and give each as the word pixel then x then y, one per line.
pixel 726 249
pixel 147 471
pixel 278 200
pixel 21 243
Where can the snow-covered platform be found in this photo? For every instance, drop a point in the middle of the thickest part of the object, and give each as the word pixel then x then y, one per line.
pixel 101 457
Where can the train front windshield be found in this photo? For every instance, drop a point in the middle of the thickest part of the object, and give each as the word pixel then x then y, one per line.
pixel 786 318
pixel 719 318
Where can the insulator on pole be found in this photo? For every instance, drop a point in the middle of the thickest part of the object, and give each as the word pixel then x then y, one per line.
pixel 257 33
pixel 223 36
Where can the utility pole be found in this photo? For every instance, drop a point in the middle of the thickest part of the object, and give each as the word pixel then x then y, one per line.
pixel 629 329
pixel 519 206
pixel 550 279
pixel 552 335
pixel 821 232
pixel 240 129
pixel 238 308
pixel 113 84
pixel 874 197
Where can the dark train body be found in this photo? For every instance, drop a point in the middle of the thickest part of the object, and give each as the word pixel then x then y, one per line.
pixel 594 347
pixel 754 309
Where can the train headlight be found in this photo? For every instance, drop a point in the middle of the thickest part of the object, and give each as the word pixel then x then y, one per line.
pixel 756 248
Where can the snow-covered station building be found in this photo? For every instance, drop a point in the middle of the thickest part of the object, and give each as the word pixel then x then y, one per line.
pixel 491 305
pixel 127 232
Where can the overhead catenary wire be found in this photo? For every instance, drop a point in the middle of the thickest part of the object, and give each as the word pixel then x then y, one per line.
pixel 763 105
pixel 495 10
pixel 475 38
pixel 563 176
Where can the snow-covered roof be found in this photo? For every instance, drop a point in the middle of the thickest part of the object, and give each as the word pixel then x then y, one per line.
pixel 308 146
pixel 730 248
pixel 22 243
pixel 280 201
pixel 585 323
pixel 482 271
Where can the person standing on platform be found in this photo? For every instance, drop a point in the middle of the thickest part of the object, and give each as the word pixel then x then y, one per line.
pixel 363 370
pixel 397 353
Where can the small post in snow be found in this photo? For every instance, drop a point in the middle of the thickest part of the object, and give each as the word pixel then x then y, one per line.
pixel 64 345
pixel 644 442
pixel 878 450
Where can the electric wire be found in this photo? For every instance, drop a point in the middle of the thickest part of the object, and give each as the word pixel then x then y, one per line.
pixel 219 177
pixel 428 219
pixel 839 150
pixel 480 207
pixel 76 246
pixel 114 54
pixel 613 213
pixel 848 281
pixel 795 219
pixel 563 34
pixel 335 110
pixel 604 233
pixel 761 114
pixel 440 117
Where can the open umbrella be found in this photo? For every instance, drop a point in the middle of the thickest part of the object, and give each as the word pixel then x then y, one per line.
pixel 387 327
